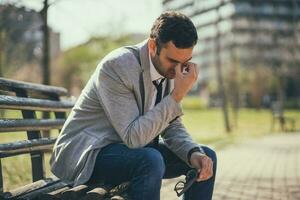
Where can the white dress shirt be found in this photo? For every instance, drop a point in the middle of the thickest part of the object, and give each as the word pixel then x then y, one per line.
pixel 155 76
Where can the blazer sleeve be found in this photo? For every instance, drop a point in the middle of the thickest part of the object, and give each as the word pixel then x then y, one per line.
pixel 179 141
pixel 120 105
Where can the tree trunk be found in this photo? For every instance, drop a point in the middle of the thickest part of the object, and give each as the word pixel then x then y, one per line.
pixel 45 60
pixel 221 86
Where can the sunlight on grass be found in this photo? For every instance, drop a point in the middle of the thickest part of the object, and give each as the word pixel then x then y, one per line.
pixel 206 126
pixel 17 170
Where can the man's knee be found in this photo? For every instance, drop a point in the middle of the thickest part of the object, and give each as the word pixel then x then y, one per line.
pixel 153 160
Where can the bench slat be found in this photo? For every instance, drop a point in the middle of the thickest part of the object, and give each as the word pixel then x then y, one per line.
pixel 120 189
pixel 75 193
pixel 26 150
pixel 25 144
pixel 97 193
pixel 9 125
pixel 27 188
pixel 117 197
pixel 21 103
pixel 53 195
pixel 29 98
pixel 11 85
pixel 54 185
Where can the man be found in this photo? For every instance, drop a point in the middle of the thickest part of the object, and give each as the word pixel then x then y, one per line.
pixel 132 97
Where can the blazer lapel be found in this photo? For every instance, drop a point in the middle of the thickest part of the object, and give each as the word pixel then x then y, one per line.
pixel 148 85
pixel 168 88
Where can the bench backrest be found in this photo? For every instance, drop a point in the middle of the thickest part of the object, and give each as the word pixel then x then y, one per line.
pixel 277 109
pixel 29 98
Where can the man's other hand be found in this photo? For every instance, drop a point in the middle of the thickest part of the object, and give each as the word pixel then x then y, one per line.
pixel 204 165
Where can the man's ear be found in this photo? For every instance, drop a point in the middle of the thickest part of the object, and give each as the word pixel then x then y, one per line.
pixel 152 47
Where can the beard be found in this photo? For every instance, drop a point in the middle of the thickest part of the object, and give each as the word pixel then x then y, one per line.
pixel 169 74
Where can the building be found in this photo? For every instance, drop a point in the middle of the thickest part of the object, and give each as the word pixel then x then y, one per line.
pixel 246 34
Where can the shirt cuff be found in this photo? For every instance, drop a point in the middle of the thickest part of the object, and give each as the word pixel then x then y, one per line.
pixel 195 149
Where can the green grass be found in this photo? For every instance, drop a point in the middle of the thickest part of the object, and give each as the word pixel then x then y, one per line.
pixel 205 125
pixel 17 170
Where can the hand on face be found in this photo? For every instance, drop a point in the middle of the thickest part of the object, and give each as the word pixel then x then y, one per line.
pixel 184 79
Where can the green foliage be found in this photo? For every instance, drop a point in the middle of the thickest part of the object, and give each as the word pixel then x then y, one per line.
pixel 194 103
pixel 81 61
pixel 292 103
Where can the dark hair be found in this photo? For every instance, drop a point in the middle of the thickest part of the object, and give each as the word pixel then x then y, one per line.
pixel 176 27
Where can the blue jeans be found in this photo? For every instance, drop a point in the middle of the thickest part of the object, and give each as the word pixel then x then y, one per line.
pixel 145 168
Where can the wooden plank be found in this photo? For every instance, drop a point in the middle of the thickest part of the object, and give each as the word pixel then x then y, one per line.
pixel 47 188
pixel 37 158
pixel 26 146
pixel 26 188
pixel 120 189
pixel 59 115
pixel 21 103
pixel 9 125
pixel 53 195
pixel 13 85
pixel 32 150
pixel 75 193
pixel 117 197
pixel 97 193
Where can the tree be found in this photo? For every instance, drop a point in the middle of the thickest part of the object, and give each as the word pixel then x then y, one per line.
pixel 221 86
pixel 46 61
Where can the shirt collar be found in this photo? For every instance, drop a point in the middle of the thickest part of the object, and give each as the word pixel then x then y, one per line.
pixel 154 73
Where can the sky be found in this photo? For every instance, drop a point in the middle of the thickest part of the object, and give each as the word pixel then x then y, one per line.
pixel 78 20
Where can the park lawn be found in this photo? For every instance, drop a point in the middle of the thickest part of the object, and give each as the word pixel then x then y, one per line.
pixel 204 125
pixel 17 170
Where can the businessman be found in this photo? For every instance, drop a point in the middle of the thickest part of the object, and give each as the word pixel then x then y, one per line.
pixel 132 99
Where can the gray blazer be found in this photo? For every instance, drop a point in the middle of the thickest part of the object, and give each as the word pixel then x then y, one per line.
pixel 109 110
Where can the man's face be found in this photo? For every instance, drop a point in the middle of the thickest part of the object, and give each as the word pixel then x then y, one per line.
pixel 169 56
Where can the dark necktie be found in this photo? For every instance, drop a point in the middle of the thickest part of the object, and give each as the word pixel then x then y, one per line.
pixel 159 88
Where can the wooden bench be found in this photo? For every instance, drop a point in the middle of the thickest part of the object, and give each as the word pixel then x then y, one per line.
pixel 278 115
pixel 28 98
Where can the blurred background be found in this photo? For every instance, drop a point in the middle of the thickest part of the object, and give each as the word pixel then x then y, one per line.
pixel 248 51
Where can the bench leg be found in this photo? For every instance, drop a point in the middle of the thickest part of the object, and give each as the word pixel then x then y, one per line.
pixel 282 123
pixel 1 178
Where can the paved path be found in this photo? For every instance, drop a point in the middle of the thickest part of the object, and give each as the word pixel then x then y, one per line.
pixel 266 168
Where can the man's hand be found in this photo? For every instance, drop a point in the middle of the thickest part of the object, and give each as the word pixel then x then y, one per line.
pixel 204 165
pixel 184 81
